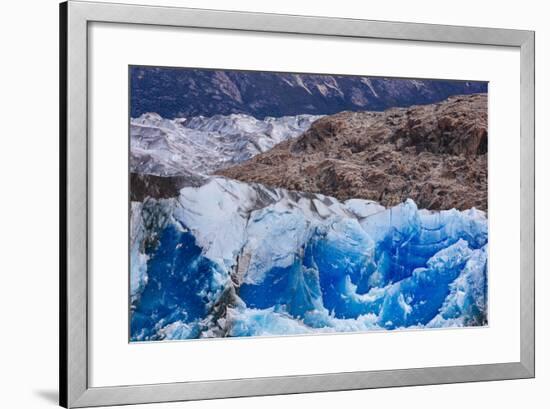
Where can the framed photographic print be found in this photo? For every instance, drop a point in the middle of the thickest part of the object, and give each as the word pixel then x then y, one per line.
pixel 256 204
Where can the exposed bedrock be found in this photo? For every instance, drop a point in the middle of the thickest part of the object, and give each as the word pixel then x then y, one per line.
pixel 434 154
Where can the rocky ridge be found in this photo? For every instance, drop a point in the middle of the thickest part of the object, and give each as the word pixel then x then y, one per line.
pixel 434 154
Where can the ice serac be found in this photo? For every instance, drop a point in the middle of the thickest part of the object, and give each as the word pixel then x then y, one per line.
pixel 200 145
pixel 181 285
pixel 229 258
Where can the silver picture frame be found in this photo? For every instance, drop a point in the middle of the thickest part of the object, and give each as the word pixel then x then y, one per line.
pixel 75 16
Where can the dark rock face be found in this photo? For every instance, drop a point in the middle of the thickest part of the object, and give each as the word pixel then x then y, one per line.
pixel 160 187
pixel 179 92
pixel 434 154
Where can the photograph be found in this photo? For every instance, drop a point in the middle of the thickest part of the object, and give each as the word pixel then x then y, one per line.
pixel 274 203
pixel 290 204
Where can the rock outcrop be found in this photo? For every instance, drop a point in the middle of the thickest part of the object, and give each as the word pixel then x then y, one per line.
pixel 434 154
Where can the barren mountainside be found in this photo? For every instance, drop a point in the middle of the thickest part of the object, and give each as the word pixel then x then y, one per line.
pixel 177 92
pixel 434 154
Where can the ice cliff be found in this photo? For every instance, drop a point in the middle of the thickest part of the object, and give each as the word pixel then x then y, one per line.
pixel 229 258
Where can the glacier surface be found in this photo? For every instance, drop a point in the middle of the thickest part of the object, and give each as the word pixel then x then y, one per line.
pixel 236 259
pixel 174 147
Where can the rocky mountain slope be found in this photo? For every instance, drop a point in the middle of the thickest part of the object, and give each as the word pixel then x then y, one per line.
pixel 434 154
pixel 177 92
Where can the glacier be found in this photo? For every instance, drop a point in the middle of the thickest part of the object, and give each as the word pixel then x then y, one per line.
pixel 200 145
pixel 232 259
